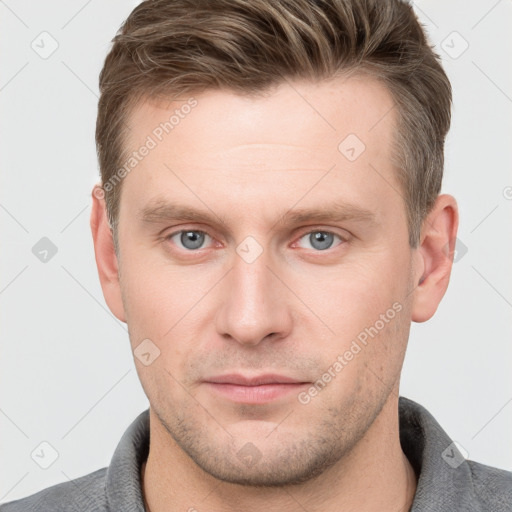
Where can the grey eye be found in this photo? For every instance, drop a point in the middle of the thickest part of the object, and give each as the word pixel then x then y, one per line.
pixel 320 240
pixel 190 239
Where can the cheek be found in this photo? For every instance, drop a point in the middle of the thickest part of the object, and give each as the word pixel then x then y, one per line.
pixel 156 297
pixel 163 305
pixel 364 361
pixel 365 304
pixel 160 309
pixel 353 296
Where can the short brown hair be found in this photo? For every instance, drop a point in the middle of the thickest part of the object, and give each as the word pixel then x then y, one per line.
pixel 175 47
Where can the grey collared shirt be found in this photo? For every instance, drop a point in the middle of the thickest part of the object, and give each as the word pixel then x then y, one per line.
pixel 446 481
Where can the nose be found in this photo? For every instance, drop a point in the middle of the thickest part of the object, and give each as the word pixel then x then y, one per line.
pixel 254 303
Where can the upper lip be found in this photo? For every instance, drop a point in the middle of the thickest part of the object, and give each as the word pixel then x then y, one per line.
pixel 255 380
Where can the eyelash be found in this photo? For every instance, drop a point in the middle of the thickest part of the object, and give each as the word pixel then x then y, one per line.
pixel 343 239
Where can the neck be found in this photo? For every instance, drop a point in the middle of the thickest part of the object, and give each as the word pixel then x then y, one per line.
pixel 375 475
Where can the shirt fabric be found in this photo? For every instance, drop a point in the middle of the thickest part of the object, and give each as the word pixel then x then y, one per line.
pixel 446 481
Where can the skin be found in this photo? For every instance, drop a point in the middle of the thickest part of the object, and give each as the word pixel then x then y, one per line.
pixel 291 311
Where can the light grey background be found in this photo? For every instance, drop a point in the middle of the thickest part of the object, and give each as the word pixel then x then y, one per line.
pixel 67 375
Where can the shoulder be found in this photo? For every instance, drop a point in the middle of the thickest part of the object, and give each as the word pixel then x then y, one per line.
pixel 83 494
pixel 447 480
pixel 492 487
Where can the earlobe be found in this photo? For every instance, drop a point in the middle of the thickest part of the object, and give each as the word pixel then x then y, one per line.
pixel 435 257
pixel 106 259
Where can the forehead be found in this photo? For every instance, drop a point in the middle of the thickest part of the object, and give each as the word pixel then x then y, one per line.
pixel 277 144
pixel 293 115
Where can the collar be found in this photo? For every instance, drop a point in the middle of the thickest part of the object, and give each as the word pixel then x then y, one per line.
pixel 444 477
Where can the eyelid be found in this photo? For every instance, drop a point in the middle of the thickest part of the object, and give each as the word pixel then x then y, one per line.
pixel 344 235
pixel 184 230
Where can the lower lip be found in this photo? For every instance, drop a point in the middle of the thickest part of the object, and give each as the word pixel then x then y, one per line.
pixel 255 394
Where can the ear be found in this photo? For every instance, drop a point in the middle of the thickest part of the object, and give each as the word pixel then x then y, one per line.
pixel 106 259
pixel 434 257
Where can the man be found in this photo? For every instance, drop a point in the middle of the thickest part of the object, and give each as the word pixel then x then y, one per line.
pixel 268 224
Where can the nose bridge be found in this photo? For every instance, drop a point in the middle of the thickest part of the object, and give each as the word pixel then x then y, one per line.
pixel 254 305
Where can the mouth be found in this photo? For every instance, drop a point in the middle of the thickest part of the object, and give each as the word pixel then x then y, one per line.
pixel 256 389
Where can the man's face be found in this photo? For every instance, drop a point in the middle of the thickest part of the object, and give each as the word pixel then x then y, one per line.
pixel 262 293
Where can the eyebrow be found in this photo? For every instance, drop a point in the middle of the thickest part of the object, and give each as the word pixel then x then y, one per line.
pixel 162 211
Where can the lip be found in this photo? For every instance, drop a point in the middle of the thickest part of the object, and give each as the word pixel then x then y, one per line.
pixel 255 380
pixel 255 389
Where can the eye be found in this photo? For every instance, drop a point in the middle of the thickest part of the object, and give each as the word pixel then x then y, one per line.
pixel 190 239
pixel 320 240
